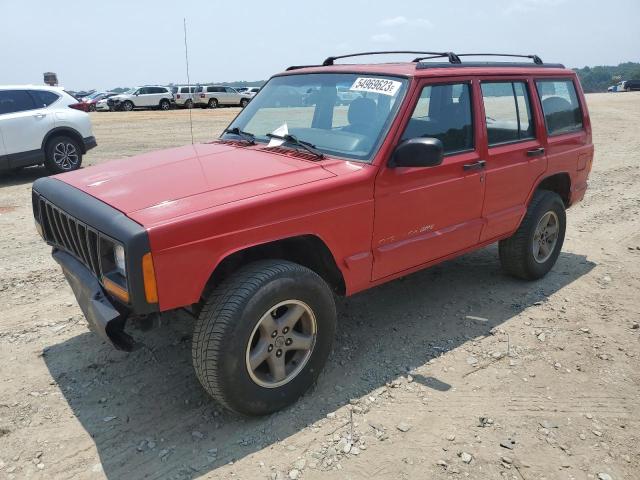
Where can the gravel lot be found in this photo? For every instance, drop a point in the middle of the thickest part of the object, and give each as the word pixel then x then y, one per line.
pixel 455 372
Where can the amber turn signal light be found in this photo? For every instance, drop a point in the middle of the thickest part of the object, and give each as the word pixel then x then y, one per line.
pixel 149 276
pixel 115 289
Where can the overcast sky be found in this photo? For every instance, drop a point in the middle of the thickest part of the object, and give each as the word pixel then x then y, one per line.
pixel 106 44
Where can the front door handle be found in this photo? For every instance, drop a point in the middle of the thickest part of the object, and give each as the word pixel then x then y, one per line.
pixel 39 115
pixel 535 152
pixel 479 165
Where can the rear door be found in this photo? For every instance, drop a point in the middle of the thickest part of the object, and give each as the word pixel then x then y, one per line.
pixel 515 154
pixel 427 213
pixel 24 125
pixel 232 97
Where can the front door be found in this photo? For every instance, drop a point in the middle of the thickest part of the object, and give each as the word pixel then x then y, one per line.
pixel 423 214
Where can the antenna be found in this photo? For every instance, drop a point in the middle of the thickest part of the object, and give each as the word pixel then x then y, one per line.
pixel 186 59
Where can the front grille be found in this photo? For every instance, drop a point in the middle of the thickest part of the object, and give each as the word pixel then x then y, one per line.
pixel 70 234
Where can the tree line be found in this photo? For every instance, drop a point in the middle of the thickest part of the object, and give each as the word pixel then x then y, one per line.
pixel 598 79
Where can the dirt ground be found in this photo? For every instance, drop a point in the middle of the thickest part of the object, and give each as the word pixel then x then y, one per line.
pixel 454 372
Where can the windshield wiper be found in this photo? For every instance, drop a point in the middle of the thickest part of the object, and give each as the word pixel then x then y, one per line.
pixel 246 136
pixel 309 147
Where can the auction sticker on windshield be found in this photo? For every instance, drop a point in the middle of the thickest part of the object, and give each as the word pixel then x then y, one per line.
pixel 376 85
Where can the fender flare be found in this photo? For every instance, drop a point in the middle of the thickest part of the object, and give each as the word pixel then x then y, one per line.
pixel 69 132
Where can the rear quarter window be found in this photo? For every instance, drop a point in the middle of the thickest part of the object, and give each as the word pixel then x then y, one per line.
pixel 560 105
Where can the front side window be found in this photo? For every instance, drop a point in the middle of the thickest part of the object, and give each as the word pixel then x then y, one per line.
pixel 316 109
pixel 562 113
pixel 443 112
pixel 12 101
pixel 507 111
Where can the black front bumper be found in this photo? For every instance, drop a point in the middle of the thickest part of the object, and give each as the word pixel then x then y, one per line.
pixel 79 225
pixel 104 318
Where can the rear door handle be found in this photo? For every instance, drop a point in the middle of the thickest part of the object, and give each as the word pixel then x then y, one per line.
pixel 535 152
pixel 480 164
pixel 39 115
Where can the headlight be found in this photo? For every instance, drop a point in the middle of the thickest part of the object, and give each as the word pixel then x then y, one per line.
pixel 120 260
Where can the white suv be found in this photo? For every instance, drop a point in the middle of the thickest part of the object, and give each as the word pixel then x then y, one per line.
pixel 214 96
pixel 143 97
pixel 184 95
pixel 40 124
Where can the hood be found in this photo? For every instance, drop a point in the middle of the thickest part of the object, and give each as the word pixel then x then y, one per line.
pixel 182 180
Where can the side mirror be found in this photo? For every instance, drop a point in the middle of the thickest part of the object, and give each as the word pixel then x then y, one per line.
pixel 418 152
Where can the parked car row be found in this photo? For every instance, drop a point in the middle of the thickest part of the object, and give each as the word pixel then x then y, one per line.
pixel 164 98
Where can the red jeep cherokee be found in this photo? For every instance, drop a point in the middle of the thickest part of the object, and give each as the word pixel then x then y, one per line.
pixel 334 179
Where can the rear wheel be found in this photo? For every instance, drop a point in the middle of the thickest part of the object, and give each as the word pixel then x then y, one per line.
pixel 127 106
pixel 164 104
pixel 62 154
pixel 263 336
pixel 533 250
pixel 213 103
pixel 188 104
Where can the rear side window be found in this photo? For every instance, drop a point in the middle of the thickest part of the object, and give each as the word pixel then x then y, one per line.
pixel 44 98
pixel 562 113
pixel 12 101
pixel 443 112
pixel 507 111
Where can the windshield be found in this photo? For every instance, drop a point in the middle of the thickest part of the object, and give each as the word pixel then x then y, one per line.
pixel 345 115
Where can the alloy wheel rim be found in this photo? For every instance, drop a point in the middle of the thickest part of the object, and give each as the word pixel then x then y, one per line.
pixel 65 155
pixel 281 343
pixel 545 237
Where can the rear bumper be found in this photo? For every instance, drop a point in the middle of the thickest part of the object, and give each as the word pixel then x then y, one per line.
pixel 103 317
pixel 89 143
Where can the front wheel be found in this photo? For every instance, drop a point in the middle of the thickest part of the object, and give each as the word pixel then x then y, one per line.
pixel 263 336
pixel 244 102
pixel 533 250
pixel 127 106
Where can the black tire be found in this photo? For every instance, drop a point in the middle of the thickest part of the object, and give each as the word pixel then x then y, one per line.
pixel 62 154
pixel 165 104
pixel 213 103
pixel 188 104
pixel 127 106
pixel 517 252
pixel 244 102
pixel 92 108
pixel 229 320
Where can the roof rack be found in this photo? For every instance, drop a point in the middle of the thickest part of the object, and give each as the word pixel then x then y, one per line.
pixel 453 59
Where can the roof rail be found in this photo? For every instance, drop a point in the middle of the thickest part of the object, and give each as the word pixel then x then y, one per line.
pixel 453 58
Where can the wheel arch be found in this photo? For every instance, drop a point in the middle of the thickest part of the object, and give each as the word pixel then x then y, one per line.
pixel 308 250
pixel 64 131
pixel 559 183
